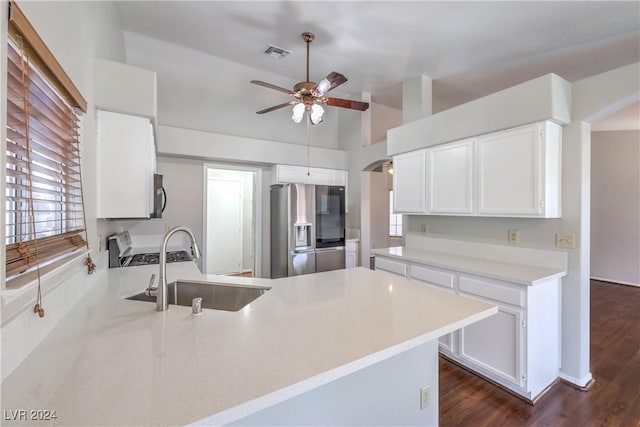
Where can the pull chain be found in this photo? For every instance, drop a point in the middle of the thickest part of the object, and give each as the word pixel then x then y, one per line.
pixel 308 148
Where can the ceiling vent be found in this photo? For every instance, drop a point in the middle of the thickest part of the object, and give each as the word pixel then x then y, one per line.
pixel 276 52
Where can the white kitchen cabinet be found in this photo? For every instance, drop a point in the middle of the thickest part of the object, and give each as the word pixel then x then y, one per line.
pixel 352 254
pixel 450 176
pixel 285 174
pixel 409 182
pixel 495 344
pixel 339 177
pixel 126 164
pixel 289 174
pixel 512 173
pixel 519 347
pixel 518 172
pixel 391 266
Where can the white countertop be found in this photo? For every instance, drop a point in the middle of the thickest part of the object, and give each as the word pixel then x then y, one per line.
pixel 508 271
pixel 113 361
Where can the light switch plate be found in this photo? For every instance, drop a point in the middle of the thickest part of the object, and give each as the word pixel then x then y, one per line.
pixel 566 241
pixel 424 229
pixel 425 397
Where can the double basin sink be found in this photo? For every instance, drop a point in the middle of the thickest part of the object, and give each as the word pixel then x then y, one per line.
pixel 216 296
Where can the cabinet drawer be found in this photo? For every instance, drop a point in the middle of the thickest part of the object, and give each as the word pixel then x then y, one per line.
pixel 391 266
pixel 430 275
pixel 494 291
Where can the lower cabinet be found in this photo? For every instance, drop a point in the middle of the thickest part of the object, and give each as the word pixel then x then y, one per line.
pixel 519 347
pixel 351 254
pixel 495 345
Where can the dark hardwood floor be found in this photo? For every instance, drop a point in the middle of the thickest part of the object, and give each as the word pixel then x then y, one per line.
pixel 613 401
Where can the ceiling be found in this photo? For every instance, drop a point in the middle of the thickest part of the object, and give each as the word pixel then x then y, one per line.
pixel 627 118
pixel 469 49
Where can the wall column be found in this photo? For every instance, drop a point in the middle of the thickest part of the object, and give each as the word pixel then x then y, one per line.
pixel 417 97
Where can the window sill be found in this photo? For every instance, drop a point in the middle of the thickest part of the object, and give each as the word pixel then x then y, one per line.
pixel 23 290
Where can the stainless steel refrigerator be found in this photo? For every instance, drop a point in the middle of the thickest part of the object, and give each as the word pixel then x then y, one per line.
pixel 307 229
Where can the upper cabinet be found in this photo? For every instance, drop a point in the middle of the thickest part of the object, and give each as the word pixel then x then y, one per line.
pixel 512 173
pixel 519 172
pixel 126 100
pixel 126 89
pixel 450 178
pixel 409 182
pixel 288 174
pixel 126 164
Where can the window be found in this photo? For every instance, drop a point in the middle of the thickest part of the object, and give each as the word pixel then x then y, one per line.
pixel 395 220
pixel 43 187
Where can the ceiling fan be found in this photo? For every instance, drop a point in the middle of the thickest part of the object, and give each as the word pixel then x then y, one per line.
pixel 310 95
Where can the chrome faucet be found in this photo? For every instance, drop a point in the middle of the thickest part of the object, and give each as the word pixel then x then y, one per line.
pixel 162 290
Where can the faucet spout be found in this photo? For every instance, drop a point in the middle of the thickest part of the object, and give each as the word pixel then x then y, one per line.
pixel 162 299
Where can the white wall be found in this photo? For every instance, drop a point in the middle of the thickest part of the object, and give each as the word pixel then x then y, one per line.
pixel 615 206
pixel 383 118
pixel 75 32
pixel 379 210
pixel 183 180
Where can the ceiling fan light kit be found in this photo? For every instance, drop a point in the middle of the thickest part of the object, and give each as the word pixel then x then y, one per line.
pixel 310 95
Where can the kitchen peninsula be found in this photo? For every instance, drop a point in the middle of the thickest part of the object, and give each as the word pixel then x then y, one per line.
pixel 342 347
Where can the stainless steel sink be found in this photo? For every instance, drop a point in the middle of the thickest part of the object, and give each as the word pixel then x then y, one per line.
pixel 217 296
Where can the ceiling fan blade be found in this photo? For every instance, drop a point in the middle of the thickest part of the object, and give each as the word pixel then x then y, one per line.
pixel 270 86
pixel 276 107
pixel 346 103
pixel 333 80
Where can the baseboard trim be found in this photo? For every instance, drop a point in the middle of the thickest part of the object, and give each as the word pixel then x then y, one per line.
pixel 615 282
pixel 583 384
pixel 495 383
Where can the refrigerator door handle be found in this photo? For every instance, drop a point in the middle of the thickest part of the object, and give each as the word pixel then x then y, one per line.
pixel 335 248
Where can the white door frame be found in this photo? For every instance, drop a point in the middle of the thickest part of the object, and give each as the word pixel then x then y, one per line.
pixel 257 211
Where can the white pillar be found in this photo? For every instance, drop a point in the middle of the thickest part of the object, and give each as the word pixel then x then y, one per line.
pixel 365 121
pixel 417 96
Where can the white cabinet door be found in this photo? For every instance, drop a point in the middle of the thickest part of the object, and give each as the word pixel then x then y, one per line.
pixel 351 254
pixel 126 158
pixel 392 266
pixel 495 344
pixel 409 182
pixel 317 176
pixel 450 178
pixel 284 174
pixel 289 174
pixel 339 177
pixel 518 172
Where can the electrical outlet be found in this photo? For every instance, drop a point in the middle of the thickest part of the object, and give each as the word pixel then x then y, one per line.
pixel 424 229
pixel 167 227
pixel 99 242
pixel 513 237
pixel 425 397
pixel 566 241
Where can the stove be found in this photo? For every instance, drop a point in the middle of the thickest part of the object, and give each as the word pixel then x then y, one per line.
pixel 154 258
pixel 120 255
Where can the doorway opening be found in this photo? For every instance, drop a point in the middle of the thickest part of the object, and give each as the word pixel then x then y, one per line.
pixel 615 197
pixel 231 209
